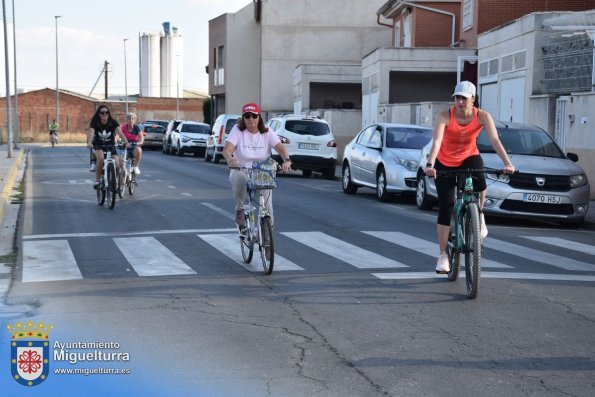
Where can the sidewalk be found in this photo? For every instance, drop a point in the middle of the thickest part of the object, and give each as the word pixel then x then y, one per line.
pixel 11 173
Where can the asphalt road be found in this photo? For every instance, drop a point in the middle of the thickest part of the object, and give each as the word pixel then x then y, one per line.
pixel 352 309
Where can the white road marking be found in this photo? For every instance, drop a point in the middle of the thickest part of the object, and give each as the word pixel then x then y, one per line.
pixel 219 210
pixel 505 275
pixel 186 194
pixel 49 260
pixel 149 257
pixel 538 256
pixel 559 242
pixel 352 254
pixel 424 246
pixel 229 245
pixel 112 234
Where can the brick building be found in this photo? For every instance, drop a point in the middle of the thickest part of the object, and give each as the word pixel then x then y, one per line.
pixel 37 109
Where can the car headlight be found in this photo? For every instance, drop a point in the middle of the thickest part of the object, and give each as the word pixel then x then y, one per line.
pixel 578 180
pixel 504 178
pixel 411 165
pixel 186 138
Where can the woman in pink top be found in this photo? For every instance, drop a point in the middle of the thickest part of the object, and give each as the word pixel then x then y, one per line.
pixel 454 147
pixel 248 141
pixel 132 132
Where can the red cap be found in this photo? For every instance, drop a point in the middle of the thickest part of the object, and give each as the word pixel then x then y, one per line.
pixel 251 108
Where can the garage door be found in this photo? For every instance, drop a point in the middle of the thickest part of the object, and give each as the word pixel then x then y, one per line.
pixel 512 100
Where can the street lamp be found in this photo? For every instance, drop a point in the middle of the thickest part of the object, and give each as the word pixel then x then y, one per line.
pixel 125 77
pixel 16 93
pixel 8 119
pixel 57 92
pixel 177 87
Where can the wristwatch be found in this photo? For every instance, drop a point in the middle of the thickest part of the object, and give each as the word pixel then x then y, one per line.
pixel 429 165
pixel 287 159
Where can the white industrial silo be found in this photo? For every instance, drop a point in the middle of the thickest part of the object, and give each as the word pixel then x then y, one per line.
pixel 172 62
pixel 150 65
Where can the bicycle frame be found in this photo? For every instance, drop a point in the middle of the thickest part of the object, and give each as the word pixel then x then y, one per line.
pixel 127 176
pixel 109 184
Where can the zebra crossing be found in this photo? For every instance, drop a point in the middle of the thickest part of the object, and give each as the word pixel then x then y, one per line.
pixel 54 257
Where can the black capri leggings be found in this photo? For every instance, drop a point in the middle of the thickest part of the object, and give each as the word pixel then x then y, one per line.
pixel 445 186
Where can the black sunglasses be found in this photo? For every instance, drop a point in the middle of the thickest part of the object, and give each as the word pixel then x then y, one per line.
pixel 103 112
pixel 250 115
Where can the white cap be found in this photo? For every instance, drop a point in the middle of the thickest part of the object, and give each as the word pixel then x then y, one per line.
pixel 465 88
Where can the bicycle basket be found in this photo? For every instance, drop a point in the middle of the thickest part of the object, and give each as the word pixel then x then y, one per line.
pixel 263 175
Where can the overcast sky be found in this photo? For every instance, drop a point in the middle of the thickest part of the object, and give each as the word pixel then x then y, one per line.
pixel 91 32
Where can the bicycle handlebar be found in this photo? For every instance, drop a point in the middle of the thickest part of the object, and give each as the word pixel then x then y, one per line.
pixel 467 171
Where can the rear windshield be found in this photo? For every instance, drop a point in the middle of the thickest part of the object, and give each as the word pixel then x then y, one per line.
pixel 195 128
pixel 522 141
pixel 229 125
pixel 307 127
pixel 154 128
pixel 162 123
pixel 407 138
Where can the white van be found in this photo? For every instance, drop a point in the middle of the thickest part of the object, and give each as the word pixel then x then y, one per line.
pixel 223 124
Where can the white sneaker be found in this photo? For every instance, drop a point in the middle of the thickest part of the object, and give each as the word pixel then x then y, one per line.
pixel 442 265
pixel 92 167
pixel 483 228
pixel 136 170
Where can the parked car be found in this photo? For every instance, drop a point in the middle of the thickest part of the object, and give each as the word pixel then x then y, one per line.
pixel 171 126
pixel 384 157
pixel 309 141
pixel 162 123
pixel 549 185
pixel 190 136
pixel 153 135
pixel 223 124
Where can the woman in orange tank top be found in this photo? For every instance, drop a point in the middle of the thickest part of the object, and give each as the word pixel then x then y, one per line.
pixel 454 147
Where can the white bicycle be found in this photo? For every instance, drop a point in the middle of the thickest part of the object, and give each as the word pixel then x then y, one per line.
pixel 108 187
pixel 127 176
pixel 258 228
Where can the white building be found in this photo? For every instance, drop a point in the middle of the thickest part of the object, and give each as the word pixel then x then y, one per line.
pixel 161 63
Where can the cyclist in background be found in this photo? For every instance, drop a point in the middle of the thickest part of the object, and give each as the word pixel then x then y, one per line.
pixel 132 132
pixel 53 130
pixel 454 147
pixel 248 141
pixel 101 137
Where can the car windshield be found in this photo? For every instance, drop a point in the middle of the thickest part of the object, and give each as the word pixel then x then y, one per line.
pixel 195 128
pixel 162 123
pixel 522 141
pixel 407 138
pixel 307 127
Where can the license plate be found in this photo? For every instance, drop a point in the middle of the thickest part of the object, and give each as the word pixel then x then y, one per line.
pixel 308 146
pixel 542 198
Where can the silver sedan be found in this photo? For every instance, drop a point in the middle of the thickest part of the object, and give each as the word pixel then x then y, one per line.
pixel 549 185
pixel 384 157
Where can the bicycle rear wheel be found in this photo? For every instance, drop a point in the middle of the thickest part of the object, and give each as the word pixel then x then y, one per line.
pixel 267 246
pixel 111 185
pixel 472 249
pixel 246 241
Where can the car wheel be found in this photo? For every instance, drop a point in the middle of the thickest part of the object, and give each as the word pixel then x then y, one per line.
pixel 381 193
pixel 421 195
pixel 179 150
pixel 348 186
pixel 207 157
pixel 329 173
pixel 307 173
pixel 216 158
pixel 168 148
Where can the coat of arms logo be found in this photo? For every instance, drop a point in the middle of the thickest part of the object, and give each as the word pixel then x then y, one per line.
pixel 29 348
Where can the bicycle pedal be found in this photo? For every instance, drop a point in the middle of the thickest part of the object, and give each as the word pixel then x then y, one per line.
pixel 441 272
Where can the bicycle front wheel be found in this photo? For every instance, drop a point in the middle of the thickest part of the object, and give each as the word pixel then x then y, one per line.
pixel 453 253
pixel 111 185
pixel 246 241
pixel 121 183
pixel 267 246
pixel 100 195
pixel 132 184
pixel 472 249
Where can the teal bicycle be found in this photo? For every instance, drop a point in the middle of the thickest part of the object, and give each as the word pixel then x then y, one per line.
pixel 465 233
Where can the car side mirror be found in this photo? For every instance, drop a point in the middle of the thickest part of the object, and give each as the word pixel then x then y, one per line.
pixel 572 156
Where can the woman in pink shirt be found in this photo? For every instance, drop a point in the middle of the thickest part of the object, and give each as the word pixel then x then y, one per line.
pixel 132 132
pixel 248 141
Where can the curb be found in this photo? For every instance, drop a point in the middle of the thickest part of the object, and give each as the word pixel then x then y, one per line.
pixel 9 183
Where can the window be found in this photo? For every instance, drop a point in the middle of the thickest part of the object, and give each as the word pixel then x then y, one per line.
pixel 305 127
pixel 467 14
pixel 488 68
pixel 513 61
pixel 398 34
pixel 219 78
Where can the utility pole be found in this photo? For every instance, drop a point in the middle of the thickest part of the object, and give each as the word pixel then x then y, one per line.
pixel 16 93
pixel 8 107
pixel 57 88
pixel 105 77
